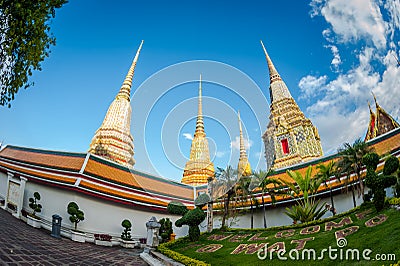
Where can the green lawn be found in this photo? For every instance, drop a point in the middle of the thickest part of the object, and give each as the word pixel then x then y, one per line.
pixel 378 232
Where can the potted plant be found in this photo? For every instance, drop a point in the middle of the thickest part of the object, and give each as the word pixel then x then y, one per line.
pixel 126 238
pixel 102 240
pixel 32 219
pixel 76 215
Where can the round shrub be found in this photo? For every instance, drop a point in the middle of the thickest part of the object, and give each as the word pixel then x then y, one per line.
pixel 391 165
pixel 202 200
pixel 371 160
pixel 126 224
pixel 177 207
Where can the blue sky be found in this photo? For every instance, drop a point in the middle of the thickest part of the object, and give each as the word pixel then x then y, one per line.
pixel 330 53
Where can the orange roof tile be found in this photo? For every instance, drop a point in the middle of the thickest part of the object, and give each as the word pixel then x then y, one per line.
pixel 59 160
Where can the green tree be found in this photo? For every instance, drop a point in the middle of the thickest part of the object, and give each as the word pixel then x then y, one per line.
pixel 302 189
pixel 325 172
pixel 228 177
pixel 76 215
pixel 351 162
pixel 25 42
pixel 268 186
pixel 378 183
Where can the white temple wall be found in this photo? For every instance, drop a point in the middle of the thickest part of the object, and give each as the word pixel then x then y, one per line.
pixel 101 216
pixel 3 185
pixel 276 216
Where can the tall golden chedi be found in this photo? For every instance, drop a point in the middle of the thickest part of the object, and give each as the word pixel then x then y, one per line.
pixel 290 137
pixel 244 167
pixel 199 167
pixel 113 140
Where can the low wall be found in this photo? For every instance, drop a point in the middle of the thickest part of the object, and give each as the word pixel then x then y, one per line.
pixel 101 216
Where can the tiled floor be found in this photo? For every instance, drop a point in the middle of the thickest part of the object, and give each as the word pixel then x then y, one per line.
pixel 21 244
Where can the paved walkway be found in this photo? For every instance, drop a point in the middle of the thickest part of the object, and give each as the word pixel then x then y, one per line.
pixel 21 244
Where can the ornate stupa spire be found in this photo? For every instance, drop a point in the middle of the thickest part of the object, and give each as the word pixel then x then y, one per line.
pixel 243 165
pixel 277 89
pixel 113 140
pixel 199 168
pixel 290 137
pixel 379 123
pixel 199 122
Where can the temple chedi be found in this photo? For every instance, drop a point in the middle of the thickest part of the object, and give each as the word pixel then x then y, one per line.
pixel 244 168
pixel 379 122
pixel 290 137
pixel 113 140
pixel 199 167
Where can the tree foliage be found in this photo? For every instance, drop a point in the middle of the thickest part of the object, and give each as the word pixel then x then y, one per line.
pixel 126 234
pixel 303 189
pixel 351 160
pixel 378 183
pixel 76 215
pixel 25 42
pixel 36 207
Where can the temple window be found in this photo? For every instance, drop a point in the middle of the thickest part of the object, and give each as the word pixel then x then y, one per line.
pixel 285 146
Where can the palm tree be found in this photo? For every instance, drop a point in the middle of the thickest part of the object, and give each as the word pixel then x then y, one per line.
pixel 267 185
pixel 351 161
pixel 325 172
pixel 226 179
pixel 302 189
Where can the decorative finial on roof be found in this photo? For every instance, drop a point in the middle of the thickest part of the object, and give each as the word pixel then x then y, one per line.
pixel 273 73
pixel 200 122
pixel 376 102
pixel 241 140
pixel 125 90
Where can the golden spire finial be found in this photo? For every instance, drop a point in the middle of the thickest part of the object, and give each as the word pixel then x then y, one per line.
pixel 200 122
pixel 273 73
pixel 241 140
pixel 243 165
pixel 125 90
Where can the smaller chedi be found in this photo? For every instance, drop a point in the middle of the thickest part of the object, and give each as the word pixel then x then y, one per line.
pixel 379 122
pixel 199 168
pixel 244 167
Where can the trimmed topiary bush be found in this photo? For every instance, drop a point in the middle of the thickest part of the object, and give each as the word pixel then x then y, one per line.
pixel 36 207
pixel 165 229
pixel 375 183
pixel 177 207
pixel 391 165
pixel 192 218
pixel 127 225
pixel 76 215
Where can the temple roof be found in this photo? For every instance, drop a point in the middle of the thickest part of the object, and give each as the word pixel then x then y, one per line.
pixel 379 122
pixel 94 175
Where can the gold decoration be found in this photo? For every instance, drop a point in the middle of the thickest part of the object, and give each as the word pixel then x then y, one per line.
pixel 113 140
pixel 199 168
pixel 379 123
pixel 244 167
pixel 290 137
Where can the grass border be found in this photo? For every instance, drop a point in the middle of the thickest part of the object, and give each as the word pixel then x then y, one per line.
pixel 164 247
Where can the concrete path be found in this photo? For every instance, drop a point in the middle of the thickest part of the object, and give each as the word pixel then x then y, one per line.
pixel 21 244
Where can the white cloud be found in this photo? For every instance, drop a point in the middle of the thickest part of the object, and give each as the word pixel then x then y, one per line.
pixel 336 61
pixel 188 136
pixel 220 154
pixel 340 109
pixel 393 8
pixel 236 143
pixel 353 20
pixel 310 85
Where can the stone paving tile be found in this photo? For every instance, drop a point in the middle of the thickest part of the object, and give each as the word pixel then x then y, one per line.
pixel 21 244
